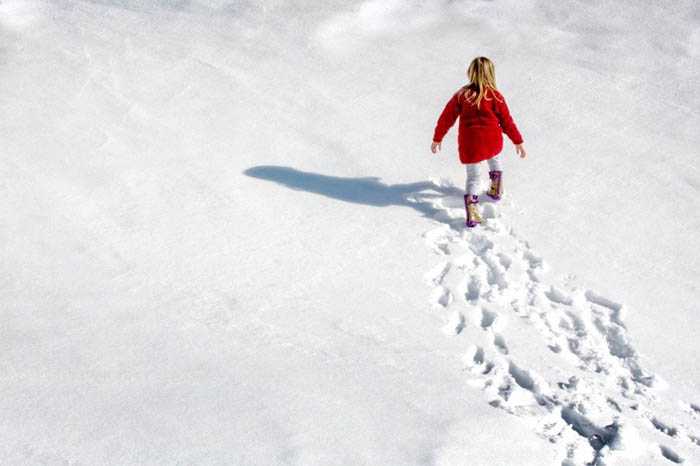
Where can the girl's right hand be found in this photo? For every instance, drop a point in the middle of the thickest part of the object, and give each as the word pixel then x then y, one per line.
pixel 435 147
pixel 520 150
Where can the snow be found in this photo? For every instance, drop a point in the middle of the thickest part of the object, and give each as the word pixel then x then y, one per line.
pixel 225 241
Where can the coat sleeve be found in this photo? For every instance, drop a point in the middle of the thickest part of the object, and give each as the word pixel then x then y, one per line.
pixel 506 121
pixel 447 118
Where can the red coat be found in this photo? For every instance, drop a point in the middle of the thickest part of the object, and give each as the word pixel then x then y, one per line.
pixel 479 136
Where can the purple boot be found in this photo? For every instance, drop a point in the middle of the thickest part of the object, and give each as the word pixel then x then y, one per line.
pixel 496 188
pixel 471 204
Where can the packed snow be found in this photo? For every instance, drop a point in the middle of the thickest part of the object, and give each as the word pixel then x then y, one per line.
pixel 225 239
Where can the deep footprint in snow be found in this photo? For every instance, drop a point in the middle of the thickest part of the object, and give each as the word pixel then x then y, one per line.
pixel 500 343
pixel 487 318
pixel 663 427
pixel 671 455
pixel 584 329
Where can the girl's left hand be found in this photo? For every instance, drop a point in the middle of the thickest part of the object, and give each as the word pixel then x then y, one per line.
pixel 435 147
pixel 520 150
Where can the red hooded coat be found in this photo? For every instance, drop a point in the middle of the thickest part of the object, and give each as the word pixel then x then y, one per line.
pixel 479 136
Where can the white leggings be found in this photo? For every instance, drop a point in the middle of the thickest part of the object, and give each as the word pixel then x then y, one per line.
pixel 474 174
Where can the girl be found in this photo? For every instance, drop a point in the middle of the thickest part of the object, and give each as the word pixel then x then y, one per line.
pixel 483 116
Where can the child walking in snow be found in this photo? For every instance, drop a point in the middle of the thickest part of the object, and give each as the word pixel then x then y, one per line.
pixel 483 116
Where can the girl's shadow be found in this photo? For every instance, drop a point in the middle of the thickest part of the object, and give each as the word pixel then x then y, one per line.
pixel 368 190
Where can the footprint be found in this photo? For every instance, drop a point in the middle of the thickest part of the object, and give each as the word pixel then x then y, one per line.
pixel 521 376
pixel 438 239
pixel 616 308
pixel 663 427
pixel 504 392
pixel 532 383
pixel 598 437
pixel 475 361
pixel 619 346
pixel 614 404
pixel 496 274
pixel 455 324
pixel 558 296
pixel 578 453
pixel 473 288
pixel 577 324
pixel 533 260
pixel 536 266
pixel 487 318
pixel 571 384
pixel 437 275
pixel 695 408
pixel 480 244
pixel 441 296
pixel 505 260
pixel 474 355
pixel 442 248
pixel 500 343
pixel 615 338
pixel 670 455
pixel 464 260
pixel 495 270
pixel 601 301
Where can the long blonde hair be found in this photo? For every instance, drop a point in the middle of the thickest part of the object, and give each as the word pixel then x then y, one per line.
pixel 482 75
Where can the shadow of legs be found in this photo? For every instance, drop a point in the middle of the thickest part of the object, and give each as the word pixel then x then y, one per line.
pixel 366 190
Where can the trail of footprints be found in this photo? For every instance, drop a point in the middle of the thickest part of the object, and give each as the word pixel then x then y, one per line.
pixel 595 401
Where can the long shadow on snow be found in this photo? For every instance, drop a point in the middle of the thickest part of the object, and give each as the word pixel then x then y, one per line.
pixel 367 190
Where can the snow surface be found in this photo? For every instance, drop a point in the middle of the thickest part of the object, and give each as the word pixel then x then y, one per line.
pixel 225 241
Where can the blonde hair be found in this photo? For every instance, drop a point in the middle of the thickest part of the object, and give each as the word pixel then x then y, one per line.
pixel 482 75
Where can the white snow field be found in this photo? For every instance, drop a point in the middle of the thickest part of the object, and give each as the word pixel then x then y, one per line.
pixel 225 241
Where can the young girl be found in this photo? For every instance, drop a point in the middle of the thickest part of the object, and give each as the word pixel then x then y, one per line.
pixel 483 116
